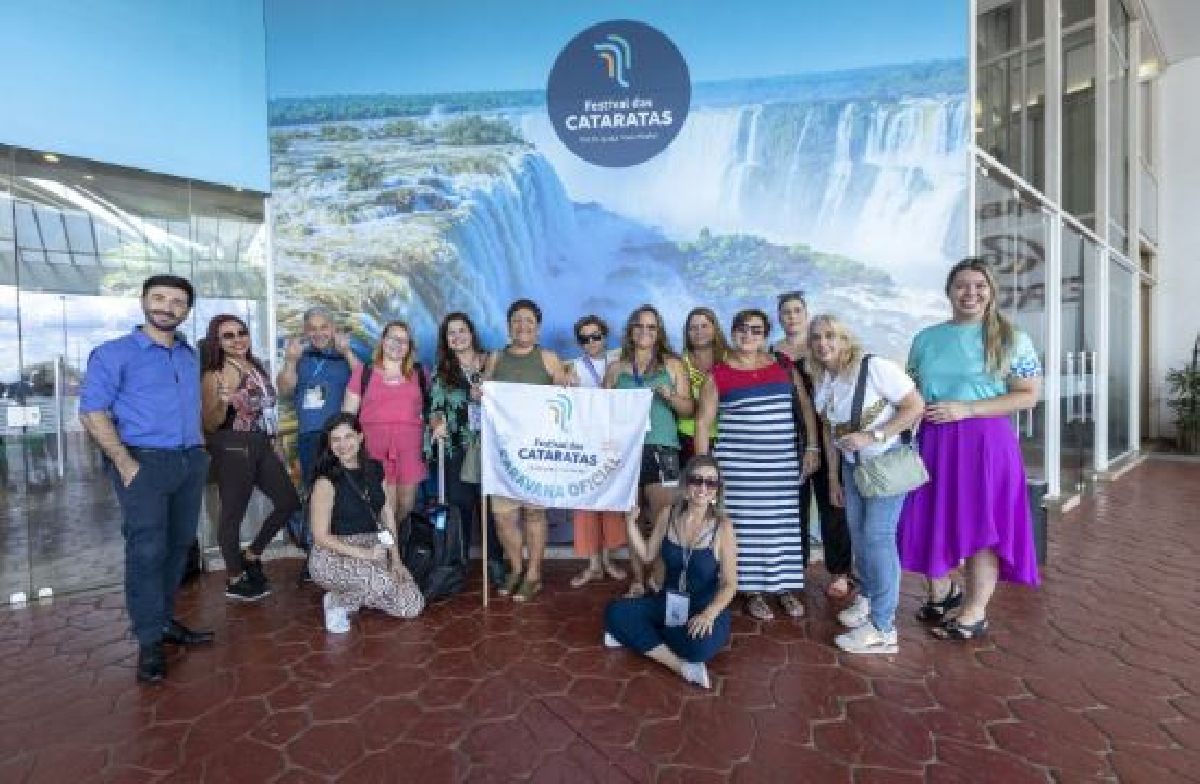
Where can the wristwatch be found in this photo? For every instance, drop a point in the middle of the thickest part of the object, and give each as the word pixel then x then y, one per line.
pixel 878 436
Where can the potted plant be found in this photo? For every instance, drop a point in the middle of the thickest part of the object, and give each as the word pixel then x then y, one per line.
pixel 1183 389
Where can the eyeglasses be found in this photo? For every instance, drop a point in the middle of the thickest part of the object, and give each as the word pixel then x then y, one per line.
pixel 646 327
pixel 594 337
pixel 750 329
pixel 695 480
pixel 241 333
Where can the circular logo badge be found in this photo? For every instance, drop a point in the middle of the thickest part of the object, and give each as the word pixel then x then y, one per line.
pixel 618 93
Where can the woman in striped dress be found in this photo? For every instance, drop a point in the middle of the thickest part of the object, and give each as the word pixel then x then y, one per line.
pixel 764 462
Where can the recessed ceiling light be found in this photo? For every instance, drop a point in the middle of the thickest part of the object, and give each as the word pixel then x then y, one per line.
pixel 49 157
pixel 88 177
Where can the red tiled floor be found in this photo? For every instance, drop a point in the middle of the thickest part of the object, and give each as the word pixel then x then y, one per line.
pixel 1094 677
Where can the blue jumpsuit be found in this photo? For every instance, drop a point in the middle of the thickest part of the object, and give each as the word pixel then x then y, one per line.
pixel 640 624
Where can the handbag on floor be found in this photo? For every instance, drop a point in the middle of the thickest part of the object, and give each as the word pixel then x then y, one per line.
pixel 897 471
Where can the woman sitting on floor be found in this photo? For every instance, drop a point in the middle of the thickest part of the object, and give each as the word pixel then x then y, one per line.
pixel 355 557
pixel 687 623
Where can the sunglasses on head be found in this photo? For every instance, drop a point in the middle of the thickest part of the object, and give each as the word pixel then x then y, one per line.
pixel 594 337
pixel 787 296
pixel 695 480
pixel 241 333
pixel 750 329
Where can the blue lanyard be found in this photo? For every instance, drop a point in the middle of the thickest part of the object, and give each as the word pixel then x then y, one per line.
pixel 592 369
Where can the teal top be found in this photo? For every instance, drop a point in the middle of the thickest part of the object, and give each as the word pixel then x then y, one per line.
pixel 664 430
pixel 948 363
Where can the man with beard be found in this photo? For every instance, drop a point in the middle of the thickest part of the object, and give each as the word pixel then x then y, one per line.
pixel 140 401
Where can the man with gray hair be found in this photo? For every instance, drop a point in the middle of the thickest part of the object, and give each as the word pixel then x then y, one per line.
pixel 315 371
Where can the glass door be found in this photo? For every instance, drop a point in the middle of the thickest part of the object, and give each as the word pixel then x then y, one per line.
pixel 68 502
pixel 1080 308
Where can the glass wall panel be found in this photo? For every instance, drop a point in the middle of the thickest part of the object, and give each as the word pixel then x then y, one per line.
pixel 1118 127
pixel 1120 355
pixel 1074 11
pixel 1013 236
pixel 1079 124
pixel 1080 344
pixel 78 241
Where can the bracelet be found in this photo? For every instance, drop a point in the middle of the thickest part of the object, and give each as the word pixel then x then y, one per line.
pixel 812 449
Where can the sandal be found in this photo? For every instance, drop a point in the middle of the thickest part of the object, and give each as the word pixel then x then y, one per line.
pixel 838 588
pixel 791 605
pixel 612 570
pixel 756 607
pixel 953 630
pixel 636 590
pixel 511 583
pixel 586 576
pixel 935 611
pixel 528 590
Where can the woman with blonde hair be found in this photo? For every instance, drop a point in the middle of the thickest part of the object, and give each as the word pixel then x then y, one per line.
pixel 866 403
pixel 647 362
pixel 389 397
pixel 975 370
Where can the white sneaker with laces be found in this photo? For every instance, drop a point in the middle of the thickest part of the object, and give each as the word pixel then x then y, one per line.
pixel 858 613
pixel 868 639
pixel 697 673
pixel 611 642
pixel 337 620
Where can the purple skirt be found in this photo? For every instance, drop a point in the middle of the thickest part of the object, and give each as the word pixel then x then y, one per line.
pixel 975 498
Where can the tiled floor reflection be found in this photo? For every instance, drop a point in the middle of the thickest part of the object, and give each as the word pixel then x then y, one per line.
pixel 1097 676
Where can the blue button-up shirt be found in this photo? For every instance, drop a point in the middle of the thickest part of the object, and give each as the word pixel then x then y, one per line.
pixel 152 392
pixel 331 372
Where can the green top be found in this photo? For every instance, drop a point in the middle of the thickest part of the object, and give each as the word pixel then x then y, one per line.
pixel 521 369
pixel 454 403
pixel 664 431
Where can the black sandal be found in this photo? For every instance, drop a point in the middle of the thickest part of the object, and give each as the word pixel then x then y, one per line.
pixel 953 630
pixel 935 611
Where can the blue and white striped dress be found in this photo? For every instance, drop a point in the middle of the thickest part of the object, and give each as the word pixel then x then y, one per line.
pixel 759 460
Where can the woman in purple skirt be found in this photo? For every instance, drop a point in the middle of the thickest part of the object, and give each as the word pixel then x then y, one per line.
pixel 973 371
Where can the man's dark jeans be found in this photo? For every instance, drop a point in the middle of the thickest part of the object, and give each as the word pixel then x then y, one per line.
pixel 161 509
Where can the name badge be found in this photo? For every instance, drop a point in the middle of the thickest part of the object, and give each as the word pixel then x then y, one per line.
pixel 677 608
pixel 386 539
pixel 474 415
pixel 314 398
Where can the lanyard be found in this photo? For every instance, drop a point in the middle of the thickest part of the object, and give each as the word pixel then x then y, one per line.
pixel 687 549
pixel 592 369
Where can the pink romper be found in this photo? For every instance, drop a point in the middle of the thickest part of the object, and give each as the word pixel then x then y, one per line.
pixel 393 426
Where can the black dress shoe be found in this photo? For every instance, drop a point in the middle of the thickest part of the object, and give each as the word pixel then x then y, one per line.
pixel 152 664
pixel 178 634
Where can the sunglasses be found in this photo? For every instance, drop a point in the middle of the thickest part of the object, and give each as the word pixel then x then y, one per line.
pixel 749 329
pixel 241 333
pixel 594 337
pixel 695 480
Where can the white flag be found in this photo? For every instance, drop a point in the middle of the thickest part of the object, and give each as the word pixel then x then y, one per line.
pixel 563 447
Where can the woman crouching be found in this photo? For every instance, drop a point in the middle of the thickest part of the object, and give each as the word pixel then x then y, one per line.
pixel 687 623
pixel 355 557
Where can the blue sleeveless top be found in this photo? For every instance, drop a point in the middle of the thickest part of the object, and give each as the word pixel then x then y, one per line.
pixel 703 570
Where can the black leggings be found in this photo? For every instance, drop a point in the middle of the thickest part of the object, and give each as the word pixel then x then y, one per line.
pixel 835 534
pixel 464 496
pixel 242 461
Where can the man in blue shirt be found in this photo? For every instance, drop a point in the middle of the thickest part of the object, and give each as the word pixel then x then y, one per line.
pixel 140 401
pixel 315 372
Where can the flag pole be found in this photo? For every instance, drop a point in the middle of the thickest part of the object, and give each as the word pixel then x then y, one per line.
pixel 483 528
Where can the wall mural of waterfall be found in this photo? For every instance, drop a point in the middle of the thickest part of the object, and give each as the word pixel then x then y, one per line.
pixel 400 191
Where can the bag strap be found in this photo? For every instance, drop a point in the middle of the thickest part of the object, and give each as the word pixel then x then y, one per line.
pixel 363 381
pixel 365 498
pixel 860 394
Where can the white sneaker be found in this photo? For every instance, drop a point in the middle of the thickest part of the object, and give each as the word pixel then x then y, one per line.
pixel 611 642
pixel 858 613
pixel 697 673
pixel 868 639
pixel 337 620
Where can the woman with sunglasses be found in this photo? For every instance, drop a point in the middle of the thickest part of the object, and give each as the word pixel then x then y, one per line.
pixel 597 535
pixel 647 362
pixel 762 460
pixel 391 407
pixel 687 623
pixel 835 536
pixel 239 412
pixel 704 345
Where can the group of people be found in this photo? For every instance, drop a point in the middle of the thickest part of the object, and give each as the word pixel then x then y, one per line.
pixel 744 435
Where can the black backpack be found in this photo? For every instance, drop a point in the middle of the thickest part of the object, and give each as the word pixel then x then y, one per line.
pixel 434 548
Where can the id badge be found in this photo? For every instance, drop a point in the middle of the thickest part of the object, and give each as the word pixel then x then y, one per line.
pixel 677 608
pixel 474 416
pixel 314 398
pixel 386 539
